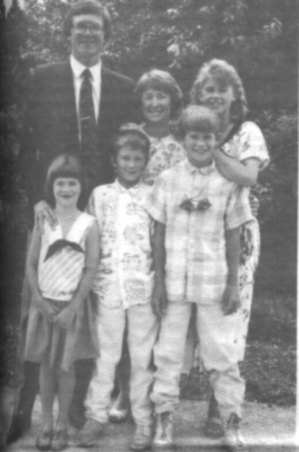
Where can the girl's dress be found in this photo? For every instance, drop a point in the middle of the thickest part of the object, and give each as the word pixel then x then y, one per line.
pixel 60 268
pixel 246 142
pixel 164 153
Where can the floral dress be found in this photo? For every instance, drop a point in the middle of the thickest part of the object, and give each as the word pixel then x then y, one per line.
pixel 164 153
pixel 246 142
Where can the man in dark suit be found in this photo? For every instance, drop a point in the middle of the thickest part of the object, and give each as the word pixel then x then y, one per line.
pixel 55 123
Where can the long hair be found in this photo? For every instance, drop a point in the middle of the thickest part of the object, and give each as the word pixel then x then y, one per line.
pixel 225 74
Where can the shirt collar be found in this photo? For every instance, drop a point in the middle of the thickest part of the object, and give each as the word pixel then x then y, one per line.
pixel 132 190
pixel 204 170
pixel 78 68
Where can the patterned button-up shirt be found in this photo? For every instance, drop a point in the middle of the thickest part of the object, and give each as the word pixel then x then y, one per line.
pixel 196 266
pixel 125 271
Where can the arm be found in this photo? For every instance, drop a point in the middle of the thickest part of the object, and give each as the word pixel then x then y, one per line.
pixel 243 173
pixel 66 316
pixel 159 299
pixel 31 270
pixel 231 300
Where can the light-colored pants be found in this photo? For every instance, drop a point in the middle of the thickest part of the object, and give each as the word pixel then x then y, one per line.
pixel 142 326
pixel 219 340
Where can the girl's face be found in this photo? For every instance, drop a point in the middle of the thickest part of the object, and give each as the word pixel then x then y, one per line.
pixel 130 164
pixel 66 191
pixel 218 97
pixel 156 106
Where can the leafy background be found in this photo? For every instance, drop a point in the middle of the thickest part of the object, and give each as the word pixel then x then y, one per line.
pixel 259 37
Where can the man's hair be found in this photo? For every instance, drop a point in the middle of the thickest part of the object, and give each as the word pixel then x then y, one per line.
pixel 63 166
pixel 87 7
pixel 161 81
pixel 198 118
pixel 130 135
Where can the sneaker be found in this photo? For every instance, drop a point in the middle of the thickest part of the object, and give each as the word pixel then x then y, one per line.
pixel 232 436
pixel 164 430
pixel 90 433
pixel 142 439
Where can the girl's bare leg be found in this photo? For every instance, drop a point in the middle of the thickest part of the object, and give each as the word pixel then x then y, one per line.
pixel 47 392
pixel 66 384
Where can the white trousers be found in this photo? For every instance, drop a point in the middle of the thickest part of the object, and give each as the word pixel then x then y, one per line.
pixel 142 326
pixel 220 352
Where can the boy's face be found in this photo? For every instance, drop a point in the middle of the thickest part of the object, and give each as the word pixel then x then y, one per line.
pixel 199 147
pixel 130 164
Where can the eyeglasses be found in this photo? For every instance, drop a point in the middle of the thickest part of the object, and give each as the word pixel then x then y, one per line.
pixel 190 205
pixel 83 27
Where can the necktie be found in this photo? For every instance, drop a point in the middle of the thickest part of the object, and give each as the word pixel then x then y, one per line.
pixel 88 127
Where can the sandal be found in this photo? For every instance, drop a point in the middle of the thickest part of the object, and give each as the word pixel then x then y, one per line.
pixel 44 440
pixel 60 440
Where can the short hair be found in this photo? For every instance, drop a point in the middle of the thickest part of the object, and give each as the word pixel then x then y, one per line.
pixel 131 135
pixel 64 166
pixel 88 7
pixel 162 81
pixel 198 118
pixel 225 74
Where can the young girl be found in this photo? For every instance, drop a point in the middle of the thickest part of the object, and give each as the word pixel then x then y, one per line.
pixel 61 265
pixel 241 155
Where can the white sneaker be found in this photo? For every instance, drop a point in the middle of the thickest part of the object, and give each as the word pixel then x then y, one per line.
pixel 233 439
pixel 164 430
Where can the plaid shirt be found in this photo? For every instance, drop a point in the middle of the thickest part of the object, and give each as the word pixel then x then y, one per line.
pixel 196 266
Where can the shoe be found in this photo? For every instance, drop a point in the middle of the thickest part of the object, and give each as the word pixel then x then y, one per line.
pixel 117 414
pixel 44 440
pixel 164 430
pixel 214 424
pixel 142 439
pixel 77 417
pixel 232 437
pixel 19 425
pixel 60 440
pixel 90 433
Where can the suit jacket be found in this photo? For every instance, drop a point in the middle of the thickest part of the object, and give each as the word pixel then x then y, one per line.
pixel 51 125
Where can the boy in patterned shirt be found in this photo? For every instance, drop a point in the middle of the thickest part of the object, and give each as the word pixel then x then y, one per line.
pixel 196 254
pixel 123 286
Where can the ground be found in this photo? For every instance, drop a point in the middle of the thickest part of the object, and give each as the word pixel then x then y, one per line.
pixel 263 429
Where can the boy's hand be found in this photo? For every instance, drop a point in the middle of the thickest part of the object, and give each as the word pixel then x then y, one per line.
pixel 231 299
pixel 43 212
pixel 159 299
pixel 65 317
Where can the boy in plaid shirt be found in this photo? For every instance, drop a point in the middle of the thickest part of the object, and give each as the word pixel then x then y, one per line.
pixel 196 253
